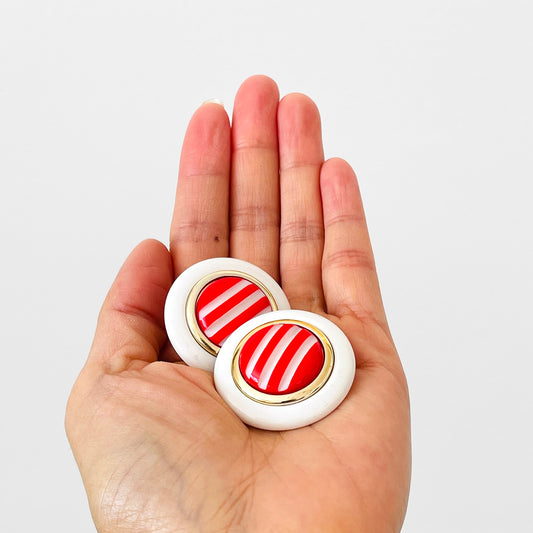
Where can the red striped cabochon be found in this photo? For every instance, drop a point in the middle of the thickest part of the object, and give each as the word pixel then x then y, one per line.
pixel 281 358
pixel 227 303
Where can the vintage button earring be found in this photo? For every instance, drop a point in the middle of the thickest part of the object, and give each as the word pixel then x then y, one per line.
pixel 211 299
pixel 285 369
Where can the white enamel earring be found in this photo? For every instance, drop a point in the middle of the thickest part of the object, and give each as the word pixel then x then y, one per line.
pixel 212 298
pixel 285 369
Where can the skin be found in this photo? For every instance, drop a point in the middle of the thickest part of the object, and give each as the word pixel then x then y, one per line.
pixel 157 447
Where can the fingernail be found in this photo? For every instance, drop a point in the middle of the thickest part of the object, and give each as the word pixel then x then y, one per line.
pixel 214 101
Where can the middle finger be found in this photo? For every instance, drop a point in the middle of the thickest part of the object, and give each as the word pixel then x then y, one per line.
pixel 254 195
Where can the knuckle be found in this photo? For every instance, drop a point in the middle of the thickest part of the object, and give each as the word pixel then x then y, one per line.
pixel 254 218
pixel 300 231
pixel 347 219
pixel 365 316
pixel 196 231
pixel 349 259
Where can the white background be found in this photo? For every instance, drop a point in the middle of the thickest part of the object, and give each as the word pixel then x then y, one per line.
pixel 430 101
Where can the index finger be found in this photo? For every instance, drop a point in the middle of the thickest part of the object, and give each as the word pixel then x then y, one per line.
pixel 199 228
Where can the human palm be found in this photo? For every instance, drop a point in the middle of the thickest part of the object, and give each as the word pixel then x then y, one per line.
pixel 157 447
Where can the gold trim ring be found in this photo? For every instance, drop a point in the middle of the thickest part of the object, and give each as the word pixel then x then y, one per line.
pixel 293 397
pixel 198 287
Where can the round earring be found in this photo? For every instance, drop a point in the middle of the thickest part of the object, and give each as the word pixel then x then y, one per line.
pixel 211 299
pixel 285 369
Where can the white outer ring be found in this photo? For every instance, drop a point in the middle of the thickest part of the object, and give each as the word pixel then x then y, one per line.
pixel 178 331
pixel 289 416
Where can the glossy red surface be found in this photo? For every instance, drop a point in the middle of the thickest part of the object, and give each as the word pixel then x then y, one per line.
pixel 281 359
pixel 226 303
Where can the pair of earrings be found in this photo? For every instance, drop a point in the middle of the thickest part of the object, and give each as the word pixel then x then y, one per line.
pixel 276 367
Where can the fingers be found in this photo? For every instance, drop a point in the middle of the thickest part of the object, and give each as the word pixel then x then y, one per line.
pixel 131 325
pixel 254 217
pixel 199 227
pixel 302 229
pixel 349 273
pixel 316 234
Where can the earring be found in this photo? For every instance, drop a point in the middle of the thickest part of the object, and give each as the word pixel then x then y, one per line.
pixel 285 369
pixel 277 368
pixel 211 299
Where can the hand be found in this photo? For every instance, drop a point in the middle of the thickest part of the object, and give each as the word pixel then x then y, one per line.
pixel 157 448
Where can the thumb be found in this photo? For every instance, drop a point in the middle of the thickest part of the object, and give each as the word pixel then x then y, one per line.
pixel 131 328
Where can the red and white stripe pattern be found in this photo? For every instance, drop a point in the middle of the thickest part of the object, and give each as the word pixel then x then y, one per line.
pixel 226 303
pixel 281 358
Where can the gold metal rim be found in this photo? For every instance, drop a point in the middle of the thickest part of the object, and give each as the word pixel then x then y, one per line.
pixel 190 306
pixel 294 397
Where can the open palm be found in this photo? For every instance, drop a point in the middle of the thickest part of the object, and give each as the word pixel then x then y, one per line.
pixel 157 447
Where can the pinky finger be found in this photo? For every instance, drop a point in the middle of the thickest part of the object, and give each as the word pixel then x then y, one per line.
pixel 348 269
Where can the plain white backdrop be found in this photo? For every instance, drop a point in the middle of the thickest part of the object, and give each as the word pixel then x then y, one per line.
pixel 430 101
